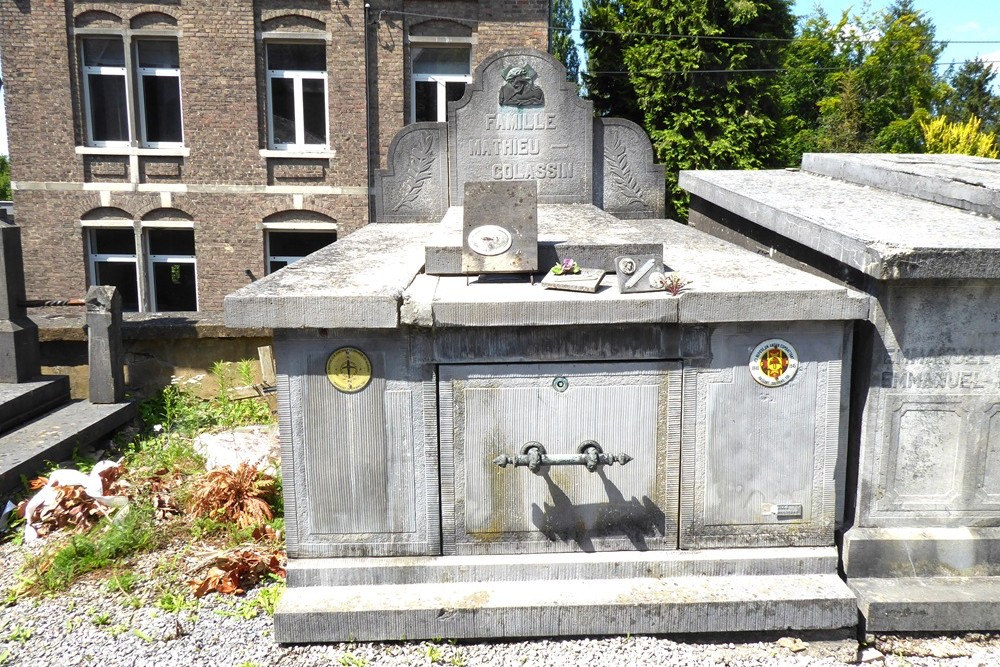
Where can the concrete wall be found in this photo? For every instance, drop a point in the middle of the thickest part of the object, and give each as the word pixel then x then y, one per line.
pixel 156 352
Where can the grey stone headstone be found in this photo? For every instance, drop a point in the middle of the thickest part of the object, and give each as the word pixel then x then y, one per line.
pixel 415 186
pixel 19 358
pixel 541 133
pixel 500 230
pixel 626 181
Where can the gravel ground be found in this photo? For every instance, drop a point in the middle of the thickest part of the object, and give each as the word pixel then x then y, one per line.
pixel 90 625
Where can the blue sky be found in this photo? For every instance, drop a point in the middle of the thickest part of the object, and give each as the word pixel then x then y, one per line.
pixel 959 22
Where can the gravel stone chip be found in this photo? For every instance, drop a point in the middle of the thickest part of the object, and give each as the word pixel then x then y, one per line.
pixel 89 626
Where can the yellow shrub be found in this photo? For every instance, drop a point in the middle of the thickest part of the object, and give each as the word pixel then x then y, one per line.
pixel 940 136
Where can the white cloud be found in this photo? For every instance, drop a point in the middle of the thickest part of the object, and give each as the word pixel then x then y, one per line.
pixel 968 27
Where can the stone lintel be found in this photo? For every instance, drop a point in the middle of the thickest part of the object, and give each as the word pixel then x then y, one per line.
pixel 357 282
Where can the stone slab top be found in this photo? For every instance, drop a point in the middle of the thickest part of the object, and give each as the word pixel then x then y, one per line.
pixel 373 279
pixel 883 234
pixel 726 284
pixel 357 282
pixel 961 181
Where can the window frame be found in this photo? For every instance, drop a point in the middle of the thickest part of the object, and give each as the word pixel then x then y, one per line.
pixel 94 258
pixel 153 259
pixel 130 71
pixel 140 74
pixel 297 77
pixel 87 71
pixel 143 260
pixel 296 228
pixel 441 80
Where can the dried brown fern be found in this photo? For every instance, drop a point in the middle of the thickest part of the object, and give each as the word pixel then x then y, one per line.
pixel 241 496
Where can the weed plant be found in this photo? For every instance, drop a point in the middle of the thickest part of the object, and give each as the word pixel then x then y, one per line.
pixel 108 544
pixel 161 459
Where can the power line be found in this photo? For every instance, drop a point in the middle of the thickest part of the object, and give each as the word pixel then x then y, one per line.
pixel 770 70
pixel 660 35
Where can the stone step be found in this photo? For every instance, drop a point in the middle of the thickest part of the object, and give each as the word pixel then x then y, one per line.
pixel 55 436
pixel 528 567
pixel 929 604
pixel 23 401
pixel 581 607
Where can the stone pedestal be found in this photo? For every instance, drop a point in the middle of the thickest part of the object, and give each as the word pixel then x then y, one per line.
pixel 393 454
pixel 532 462
pixel 917 233
pixel 106 355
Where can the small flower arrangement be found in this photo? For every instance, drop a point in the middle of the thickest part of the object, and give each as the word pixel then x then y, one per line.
pixel 566 267
pixel 675 284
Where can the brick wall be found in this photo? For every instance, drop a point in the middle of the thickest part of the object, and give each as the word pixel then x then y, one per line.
pixel 223 182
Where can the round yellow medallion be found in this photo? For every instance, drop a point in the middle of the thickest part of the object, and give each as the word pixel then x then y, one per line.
pixel 349 369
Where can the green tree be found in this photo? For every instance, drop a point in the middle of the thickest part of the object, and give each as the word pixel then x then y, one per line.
pixel 4 178
pixel 807 77
pixel 606 83
pixel 699 72
pixel 971 94
pixel 864 83
pixel 561 44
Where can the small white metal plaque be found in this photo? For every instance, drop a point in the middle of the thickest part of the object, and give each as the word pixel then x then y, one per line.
pixel 774 363
pixel 490 240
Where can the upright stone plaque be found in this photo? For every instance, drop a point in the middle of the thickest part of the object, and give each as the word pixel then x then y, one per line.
pixel 500 231
pixel 521 120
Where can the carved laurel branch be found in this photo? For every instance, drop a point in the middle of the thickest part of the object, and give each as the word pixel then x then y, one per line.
pixel 418 173
pixel 621 172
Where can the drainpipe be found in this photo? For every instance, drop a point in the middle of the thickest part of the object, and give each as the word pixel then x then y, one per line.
pixel 368 119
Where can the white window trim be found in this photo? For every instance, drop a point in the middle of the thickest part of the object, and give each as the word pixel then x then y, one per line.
pixel 133 89
pixel 170 259
pixel 152 259
pixel 290 227
pixel 297 77
pixel 94 258
pixel 442 99
pixel 300 226
pixel 141 72
pixel 96 70
pixel 133 150
pixel 428 42
pixel 143 261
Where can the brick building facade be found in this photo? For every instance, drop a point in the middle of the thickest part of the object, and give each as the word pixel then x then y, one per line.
pixel 180 149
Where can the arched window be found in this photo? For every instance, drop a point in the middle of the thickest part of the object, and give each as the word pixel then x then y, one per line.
pixel 151 261
pixel 291 235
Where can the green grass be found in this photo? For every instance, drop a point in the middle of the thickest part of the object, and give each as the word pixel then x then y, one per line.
pixel 62 562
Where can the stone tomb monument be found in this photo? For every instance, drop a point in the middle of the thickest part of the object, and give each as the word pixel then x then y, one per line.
pixel 920 234
pixel 468 457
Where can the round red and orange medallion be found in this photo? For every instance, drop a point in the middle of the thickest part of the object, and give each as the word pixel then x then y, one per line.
pixel 774 363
